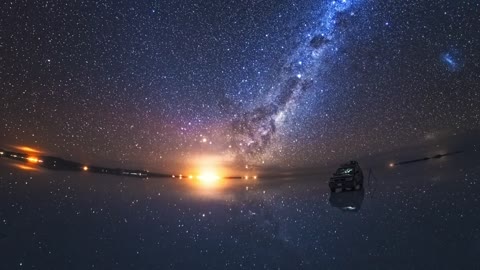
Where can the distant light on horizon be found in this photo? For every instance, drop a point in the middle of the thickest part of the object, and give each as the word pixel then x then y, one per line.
pixel 208 179
pixel 32 159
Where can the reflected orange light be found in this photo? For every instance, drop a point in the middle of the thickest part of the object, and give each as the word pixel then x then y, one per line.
pixel 27 149
pixel 24 167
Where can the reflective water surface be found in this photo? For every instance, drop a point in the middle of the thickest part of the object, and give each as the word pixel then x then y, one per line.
pixel 412 217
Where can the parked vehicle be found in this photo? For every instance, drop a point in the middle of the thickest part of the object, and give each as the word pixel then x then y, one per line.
pixel 348 176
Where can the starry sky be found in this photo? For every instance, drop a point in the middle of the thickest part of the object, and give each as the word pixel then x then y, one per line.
pixel 286 89
pixel 284 83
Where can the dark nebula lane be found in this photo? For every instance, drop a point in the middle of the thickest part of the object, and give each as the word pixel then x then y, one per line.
pixel 253 130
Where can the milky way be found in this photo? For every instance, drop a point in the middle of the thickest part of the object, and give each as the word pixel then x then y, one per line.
pixel 253 131
pixel 154 84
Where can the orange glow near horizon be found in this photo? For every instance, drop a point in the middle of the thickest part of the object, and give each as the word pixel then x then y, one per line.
pixel 28 149
pixel 209 173
pixel 32 159
pixel 209 179
pixel 203 178
pixel 206 172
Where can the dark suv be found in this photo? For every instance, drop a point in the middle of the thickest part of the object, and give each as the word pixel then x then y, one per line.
pixel 348 176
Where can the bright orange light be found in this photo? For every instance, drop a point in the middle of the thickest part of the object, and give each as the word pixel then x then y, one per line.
pixel 27 149
pixel 85 168
pixel 190 177
pixel 254 177
pixel 32 159
pixel 207 172
pixel 208 179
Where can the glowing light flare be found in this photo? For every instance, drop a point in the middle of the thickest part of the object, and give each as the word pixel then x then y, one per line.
pixel 208 179
pixel 208 172
pixel 391 165
pixel 85 168
pixel 33 159
pixel 28 149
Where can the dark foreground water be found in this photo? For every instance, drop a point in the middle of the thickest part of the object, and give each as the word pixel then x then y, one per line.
pixel 420 216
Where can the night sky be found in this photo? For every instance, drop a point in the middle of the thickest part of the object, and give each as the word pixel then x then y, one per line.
pixel 270 83
pixel 283 90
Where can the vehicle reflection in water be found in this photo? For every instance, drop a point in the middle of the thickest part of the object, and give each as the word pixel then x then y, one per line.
pixel 348 201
